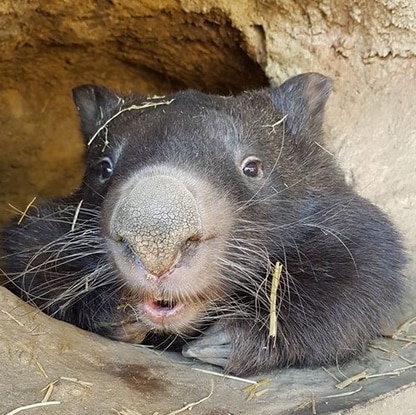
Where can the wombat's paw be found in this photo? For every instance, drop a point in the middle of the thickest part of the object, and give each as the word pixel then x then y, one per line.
pixel 213 347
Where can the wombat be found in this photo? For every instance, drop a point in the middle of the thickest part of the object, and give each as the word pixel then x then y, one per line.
pixel 188 206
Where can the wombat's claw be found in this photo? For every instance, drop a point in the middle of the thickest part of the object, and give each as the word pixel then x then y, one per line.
pixel 214 347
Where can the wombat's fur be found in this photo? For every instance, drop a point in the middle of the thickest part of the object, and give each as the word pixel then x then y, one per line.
pixel 187 204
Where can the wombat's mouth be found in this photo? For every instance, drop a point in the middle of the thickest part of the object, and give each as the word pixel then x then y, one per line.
pixel 163 312
pixel 170 314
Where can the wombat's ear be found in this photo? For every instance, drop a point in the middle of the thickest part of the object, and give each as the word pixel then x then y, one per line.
pixel 95 105
pixel 302 99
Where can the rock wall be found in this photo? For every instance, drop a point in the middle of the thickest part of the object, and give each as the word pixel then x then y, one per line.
pixel 47 48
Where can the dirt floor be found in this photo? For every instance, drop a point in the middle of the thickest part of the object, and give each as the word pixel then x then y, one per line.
pixel 82 373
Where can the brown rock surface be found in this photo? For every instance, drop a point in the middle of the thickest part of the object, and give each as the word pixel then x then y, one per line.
pixel 93 375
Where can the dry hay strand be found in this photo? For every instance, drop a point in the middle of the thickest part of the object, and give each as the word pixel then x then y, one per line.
pixel 254 391
pixel 308 403
pixel 404 327
pixel 390 353
pixel 273 299
pixel 34 405
pixel 365 375
pixel 12 317
pixel 75 380
pixel 330 374
pixel 23 213
pixel 126 411
pixel 323 148
pixel 187 407
pixel 402 332
pixel 49 389
pixel 222 375
pixel 341 395
pixel 146 104
pixel 274 125
pixel 353 379
pixel 76 214
pixel 42 370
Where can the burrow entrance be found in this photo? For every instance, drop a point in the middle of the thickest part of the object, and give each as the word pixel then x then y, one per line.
pixel 54 47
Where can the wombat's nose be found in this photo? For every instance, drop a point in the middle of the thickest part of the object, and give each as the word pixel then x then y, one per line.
pixel 157 219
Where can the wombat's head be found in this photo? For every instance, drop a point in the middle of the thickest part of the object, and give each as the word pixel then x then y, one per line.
pixel 200 191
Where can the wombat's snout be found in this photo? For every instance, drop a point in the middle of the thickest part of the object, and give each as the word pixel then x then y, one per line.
pixel 158 221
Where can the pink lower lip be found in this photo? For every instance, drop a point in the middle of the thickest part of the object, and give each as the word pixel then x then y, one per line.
pixel 158 313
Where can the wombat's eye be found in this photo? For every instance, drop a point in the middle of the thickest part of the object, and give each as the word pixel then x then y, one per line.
pixel 105 169
pixel 252 167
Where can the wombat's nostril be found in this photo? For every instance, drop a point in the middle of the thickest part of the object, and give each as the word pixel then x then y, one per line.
pixel 126 246
pixel 128 251
pixel 194 239
pixel 189 248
